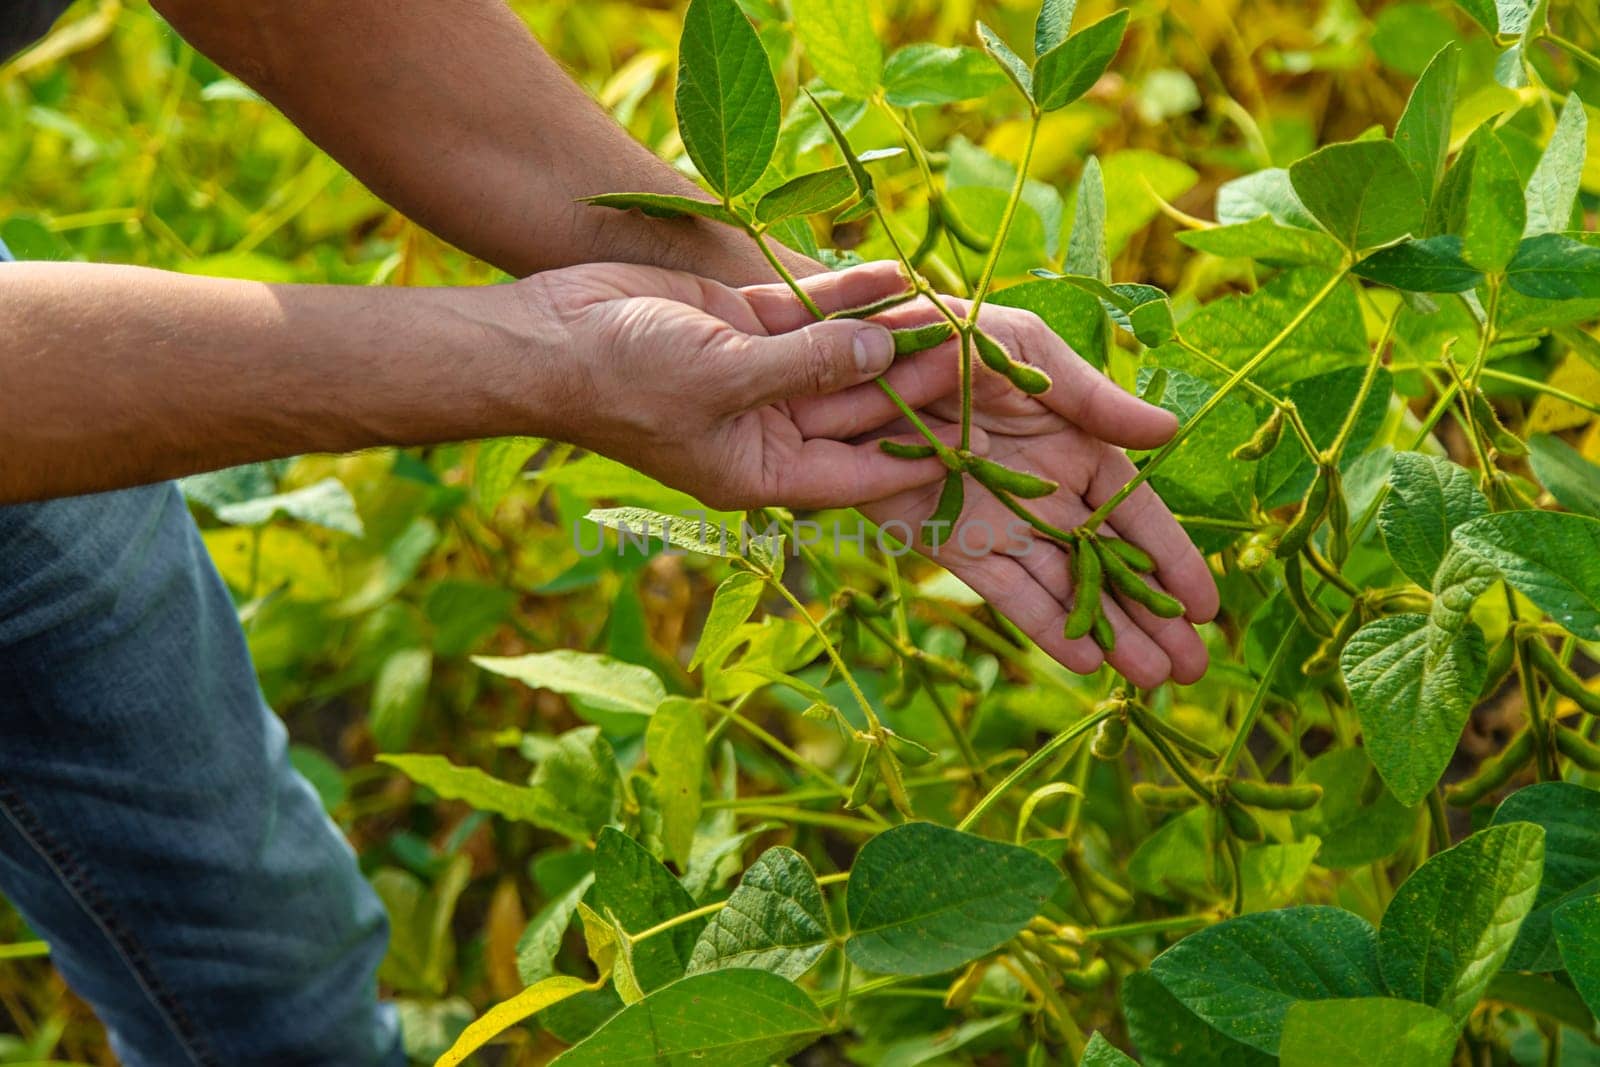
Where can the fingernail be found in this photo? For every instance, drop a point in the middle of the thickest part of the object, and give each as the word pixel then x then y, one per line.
pixel 874 350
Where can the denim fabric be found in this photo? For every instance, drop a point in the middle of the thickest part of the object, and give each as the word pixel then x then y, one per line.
pixel 151 827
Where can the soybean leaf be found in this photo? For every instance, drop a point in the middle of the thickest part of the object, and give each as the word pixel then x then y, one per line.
pixel 1495 211
pixel 1070 69
pixel 730 1018
pixel 1553 188
pixel 1168 1034
pixel 809 194
pixel 1429 497
pixel 1551 557
pixel 537 948
pixel 1053 24
pixel 1010 64
pixel 1242 975
pixel 924 898
pixel 842 45
pixel 1461 580
pixel 1356 824
pixel 579 769
pixel 633 886
pixel 1577 926
pixel 1431 265
pixel 1284 475
pixel 1200 477
pixel 484 793
pixel 1269 193
pixel 618 696
pixel 1266 240
pixel 1571 479
pixel 1072 314
pixel 1452 923
pixel 728 106
pixel 1367 1032
pixel 1086 248
pixel 1554 266
pixel 1423 132
pixel 1102 1053
pixel 1413 699
pixel 676 742
pixel 776 920
pixel 643 526
pixel 537 997
pixel 663 206
pixel 735 599
pixel 1570 816
pixel 925 75
pixel 398 693
pixel 326 503
pixel 1364 193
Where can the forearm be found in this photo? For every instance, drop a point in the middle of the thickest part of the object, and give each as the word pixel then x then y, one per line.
pixel 453 113
pixel 117 376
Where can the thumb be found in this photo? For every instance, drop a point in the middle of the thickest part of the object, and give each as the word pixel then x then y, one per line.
pixel 824 357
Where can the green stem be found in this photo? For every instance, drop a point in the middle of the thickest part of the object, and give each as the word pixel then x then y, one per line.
pixel 1230 759
pixel 1043 753
pixel 1541 387
pixel 986 278
pixel 1438 820
pixel 1052 1000
pixel 1351 417
pixel 1491 311
pixel 678 920
pixel 1249 368
pixel 1291 414
pixel 816 818
pixel 1575 50
pixel 873 724
pixel 1149 926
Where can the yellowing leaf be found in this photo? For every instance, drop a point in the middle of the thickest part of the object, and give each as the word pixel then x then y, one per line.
pixel 503 1016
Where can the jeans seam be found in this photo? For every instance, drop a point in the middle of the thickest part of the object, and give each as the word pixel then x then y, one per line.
pixel 74 877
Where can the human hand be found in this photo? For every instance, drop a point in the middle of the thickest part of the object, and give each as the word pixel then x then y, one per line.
pixel 684 379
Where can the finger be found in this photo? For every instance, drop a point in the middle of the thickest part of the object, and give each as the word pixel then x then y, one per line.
pixel 1176 637
pixel 1007 585
pixel 1136 656
pixel 834 474
pixel 919 380
pixel 1143 519
pixel 824 357
pixel 780 311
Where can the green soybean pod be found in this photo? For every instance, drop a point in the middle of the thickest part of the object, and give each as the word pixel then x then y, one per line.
pixel 1110 738
pixel 910 340
pixel 1312 506
pixel 1086 579
pixel 904 451
pixel 1028 378
pixel 1135 588
pixel 866 778
pixel 907 751
pixel 951 500
pixel 1007 480
pixel 1091 976
pixel 963 232
pixel 1492 773
pixel 1242 824
pixel 1152 723
pixel 1264 440
pixel 1577 748
pixel 930 236
pixel 1164 797
pixel 1270 796
pixel 995 357
pixel 1257 550
pixel 1131 554
pixel 1501 660
pixel 1155 390
pixel 889 771
pixel 1488 420
pixel 1561 678
pixel 877 307
pixel 1104 634
pixel 1338 519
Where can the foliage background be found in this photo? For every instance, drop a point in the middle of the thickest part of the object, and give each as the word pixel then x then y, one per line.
pixel 118 143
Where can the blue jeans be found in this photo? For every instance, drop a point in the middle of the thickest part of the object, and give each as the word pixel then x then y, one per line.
pixel 151 828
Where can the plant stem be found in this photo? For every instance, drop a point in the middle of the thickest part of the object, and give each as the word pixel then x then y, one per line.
pixel 1052 1001
pixel 1351 417
pixel 1043 753
pixel 1230 759
pixel 1575 50
pixel 1149 926
pixel 1291 414
pixel 1540 387
pixel 986 278
pixel 678 920
pixel 827 819
pixel 1438 820
pixel 1216 398
pixel 873 724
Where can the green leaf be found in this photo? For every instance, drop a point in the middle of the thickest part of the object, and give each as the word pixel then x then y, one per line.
pixel 663 206
pixel 1267 193
pixel 537 948
pixel 1266 240
pixel 422 951
pixel 776 920
pixel 1423 132
pixel 1285 474
pixel 1086 249
pixel 1053 24
pixel 1168 1034
pixel 1554 266
pixel 1367 1032
pixel 327 504
pixel 398 693
pixel 728 106
pixel 1102 1053
pixel 732 1018
pixel 842 45
pixel 1571 479
pixel 1452 923
pixel 1413 699
pixel 1357 825
pixel 1243 975
pixel 1570 816
pixel 1553 189
pixel 1072 314
pixel 1483 13
pixel 1364 193
pixel 632 885
pixel 927 75
pixel 1070 69
pixel 1431 265
pixel 1550 557
pixel 618 696
pixel 1496 213
pixel 1429 497
pixel 579 769
pixel 1010 64
pixel 519 803
pixel 1577 926
pixel 924 898
pixel 703 536
pixel 731 606
pixel 676 742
